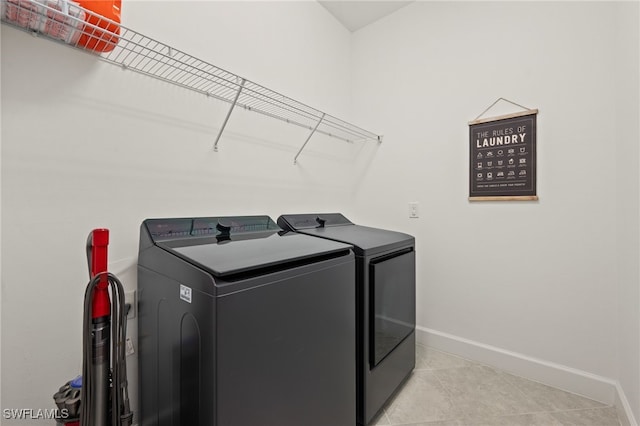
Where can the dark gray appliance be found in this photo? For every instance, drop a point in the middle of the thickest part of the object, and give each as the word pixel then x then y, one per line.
pixel 243 324
pixel 386 301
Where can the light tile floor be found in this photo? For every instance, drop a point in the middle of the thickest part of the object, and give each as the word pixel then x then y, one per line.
pixel 445 390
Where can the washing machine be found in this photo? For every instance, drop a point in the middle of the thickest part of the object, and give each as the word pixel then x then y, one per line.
pixel 385 303
pixel 243 324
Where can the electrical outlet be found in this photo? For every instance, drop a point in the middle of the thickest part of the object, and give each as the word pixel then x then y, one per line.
pixel 129 349
pixel 414 210
pixel 130 298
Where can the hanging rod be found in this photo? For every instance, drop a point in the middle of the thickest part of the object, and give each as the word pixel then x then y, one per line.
pixel 142 54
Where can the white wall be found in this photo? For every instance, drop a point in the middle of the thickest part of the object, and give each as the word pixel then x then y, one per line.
pixel 86 145
pixel 628 135
pixel 1 286
pixel 536 281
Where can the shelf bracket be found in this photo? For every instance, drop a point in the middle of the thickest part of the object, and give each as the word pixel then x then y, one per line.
pixel 295 159
pixel 224 124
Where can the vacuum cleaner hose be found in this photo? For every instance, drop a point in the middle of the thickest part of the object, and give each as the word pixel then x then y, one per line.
pixel 95 360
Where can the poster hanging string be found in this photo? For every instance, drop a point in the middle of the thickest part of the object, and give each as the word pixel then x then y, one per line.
pixel 498 100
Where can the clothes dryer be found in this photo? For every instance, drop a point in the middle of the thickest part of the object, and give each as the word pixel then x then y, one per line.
pixel 385 303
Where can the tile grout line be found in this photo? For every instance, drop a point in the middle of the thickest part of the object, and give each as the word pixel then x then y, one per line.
pixel 503 380
pixel 449 394
pixel 552 411
pixel 434 371
pixel 523 393
pixel 386 416
pixel 573 410
pixel 518 389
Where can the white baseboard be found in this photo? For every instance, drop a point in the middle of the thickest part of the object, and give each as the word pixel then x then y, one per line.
pixel 624 409
pixel 580 382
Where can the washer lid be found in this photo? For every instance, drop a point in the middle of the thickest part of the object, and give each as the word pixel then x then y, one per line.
pixel 335 226
pixel 232 245
pixel 298 222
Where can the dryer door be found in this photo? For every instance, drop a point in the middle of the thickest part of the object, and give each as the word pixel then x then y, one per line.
pixel 393 303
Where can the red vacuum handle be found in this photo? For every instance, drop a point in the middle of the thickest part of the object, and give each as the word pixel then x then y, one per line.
pixel 97 247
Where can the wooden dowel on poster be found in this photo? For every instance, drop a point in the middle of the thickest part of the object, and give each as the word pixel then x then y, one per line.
pixel 503 117
pixel 506 198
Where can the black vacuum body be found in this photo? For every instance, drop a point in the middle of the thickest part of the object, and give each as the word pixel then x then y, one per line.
pixel 243 324
pixel 385 303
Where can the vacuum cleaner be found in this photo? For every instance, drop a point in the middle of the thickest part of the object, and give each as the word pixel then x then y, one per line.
pixel 104 399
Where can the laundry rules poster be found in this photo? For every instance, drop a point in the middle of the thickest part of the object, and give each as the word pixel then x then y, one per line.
pixel 502 156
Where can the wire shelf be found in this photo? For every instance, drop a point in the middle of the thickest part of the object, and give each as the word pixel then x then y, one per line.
pixel 66 22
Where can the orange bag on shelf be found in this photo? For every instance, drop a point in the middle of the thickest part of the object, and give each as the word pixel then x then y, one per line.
pixel 93 38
